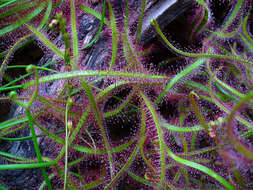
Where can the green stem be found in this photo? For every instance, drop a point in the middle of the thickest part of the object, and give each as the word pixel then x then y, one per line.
pixel 37 149
pixel 67 126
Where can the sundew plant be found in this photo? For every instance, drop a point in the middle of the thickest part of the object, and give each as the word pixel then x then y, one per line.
pixel 103 110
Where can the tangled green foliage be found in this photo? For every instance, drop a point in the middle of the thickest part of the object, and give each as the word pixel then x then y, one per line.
pixel 218 106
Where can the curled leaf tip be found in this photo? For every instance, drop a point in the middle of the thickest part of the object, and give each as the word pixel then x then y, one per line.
pixel 12 94
pixel 30 68
pixel 152 21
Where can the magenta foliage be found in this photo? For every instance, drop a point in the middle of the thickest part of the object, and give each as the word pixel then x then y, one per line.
pixel 89 164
